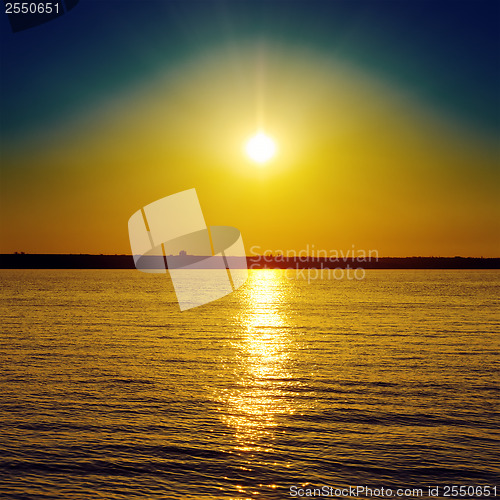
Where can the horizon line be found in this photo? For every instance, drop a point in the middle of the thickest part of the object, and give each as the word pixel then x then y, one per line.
pixel 273 256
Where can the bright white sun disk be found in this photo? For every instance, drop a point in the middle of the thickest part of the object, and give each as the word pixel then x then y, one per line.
pixel 260 148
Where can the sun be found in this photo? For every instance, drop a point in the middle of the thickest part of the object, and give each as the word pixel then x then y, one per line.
pixel 260 148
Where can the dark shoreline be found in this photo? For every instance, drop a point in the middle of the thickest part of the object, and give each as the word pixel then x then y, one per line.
pixel 85 261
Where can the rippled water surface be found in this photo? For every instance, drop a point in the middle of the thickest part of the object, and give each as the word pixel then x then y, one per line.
pixel 107 391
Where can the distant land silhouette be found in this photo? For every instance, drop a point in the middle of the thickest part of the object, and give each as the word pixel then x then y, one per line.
pixel 86 261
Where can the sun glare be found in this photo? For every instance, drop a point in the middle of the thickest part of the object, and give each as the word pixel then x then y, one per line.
pixel 260 148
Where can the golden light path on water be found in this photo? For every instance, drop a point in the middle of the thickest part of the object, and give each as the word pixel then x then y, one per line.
pixel 264 359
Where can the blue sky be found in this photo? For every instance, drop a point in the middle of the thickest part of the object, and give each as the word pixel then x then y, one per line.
pixel 446 53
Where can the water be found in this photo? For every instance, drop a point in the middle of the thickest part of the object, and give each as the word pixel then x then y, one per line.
pixel 107 391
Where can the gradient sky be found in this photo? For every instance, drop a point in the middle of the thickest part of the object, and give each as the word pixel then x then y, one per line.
pixel 386 115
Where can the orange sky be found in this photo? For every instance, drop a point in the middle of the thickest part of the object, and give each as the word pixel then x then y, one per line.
pixel 360 162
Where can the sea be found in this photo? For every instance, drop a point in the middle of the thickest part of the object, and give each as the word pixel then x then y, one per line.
pixel 290 387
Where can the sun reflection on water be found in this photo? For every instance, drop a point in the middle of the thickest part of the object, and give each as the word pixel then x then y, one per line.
pixel 264 388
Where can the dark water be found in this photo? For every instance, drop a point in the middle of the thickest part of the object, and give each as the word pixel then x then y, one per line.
pixel 109 392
